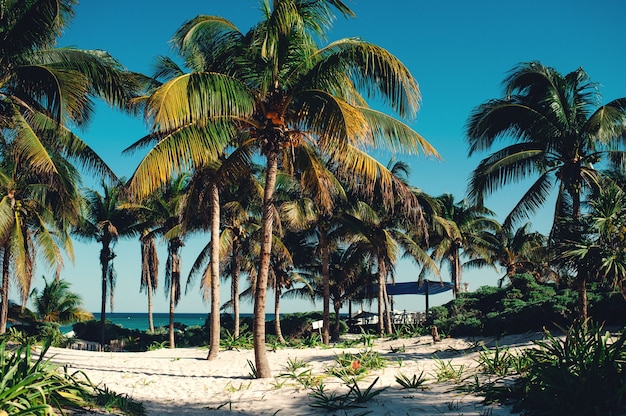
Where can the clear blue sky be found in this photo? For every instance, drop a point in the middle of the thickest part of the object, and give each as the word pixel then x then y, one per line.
pixel 458 50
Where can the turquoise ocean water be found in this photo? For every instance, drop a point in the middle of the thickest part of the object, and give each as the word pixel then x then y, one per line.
pixel 132 320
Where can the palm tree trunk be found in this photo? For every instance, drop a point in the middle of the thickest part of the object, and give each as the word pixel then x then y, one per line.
pixel 171 323
pixel 277 328
pixel 105 257
pixel 234 284
pixel 214 324
pixel 325 286
pixel 4 291
pixel 458 273
pixel 582 272
pixel 260 294
pixel 384 320
pixel 381 296
pixel 582 297
pixel 149 290
pixel 174 247
pixel 455 272
pixel 387 310
pixel 337 330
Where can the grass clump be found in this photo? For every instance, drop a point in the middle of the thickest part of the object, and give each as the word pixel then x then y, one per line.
pixel 412 383
pixel 357 365
pixel 354 398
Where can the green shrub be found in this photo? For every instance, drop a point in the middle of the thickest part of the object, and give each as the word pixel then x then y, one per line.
pixel 582 374
pixel 525 305
pixel 30 385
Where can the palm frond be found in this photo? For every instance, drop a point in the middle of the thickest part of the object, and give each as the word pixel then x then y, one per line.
pixel 190 98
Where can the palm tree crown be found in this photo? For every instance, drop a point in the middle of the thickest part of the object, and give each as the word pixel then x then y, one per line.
pixel 558 130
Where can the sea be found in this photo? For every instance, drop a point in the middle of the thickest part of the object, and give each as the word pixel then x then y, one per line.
pixel 139 320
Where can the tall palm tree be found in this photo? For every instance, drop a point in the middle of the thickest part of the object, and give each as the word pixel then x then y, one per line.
pixel 149 270
pixel 148 220
pixel 105 221
pixel 36 212
pixel 44 90
pixel 278 87
pixel 558 134
pixel 206 185
pixel 170 204
pixel 461 230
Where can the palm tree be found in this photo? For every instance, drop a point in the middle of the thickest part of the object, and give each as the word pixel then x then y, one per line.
pixel 461 230
pixel 558 134
pixel 377 235
pixel 36 212
pixel 147 214
pixel 56 303
pixel 149 270
pixel 105 221
pixel 601 252
pixel 169 208
pixel 241 214
pixel 206 185
pixel 309 203
pixel 521 252
pixel 43 90
pixel 277 87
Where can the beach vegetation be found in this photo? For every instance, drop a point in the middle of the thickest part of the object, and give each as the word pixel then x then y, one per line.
pixel 498 361
pixel 580 371
pixel 30 384
pixel 523 305
pixel 303 376
pixel 232 388
pixel 242 342
pixel 446 371
pixel 253 369
pixel 157 345
pixel 354 398
pixel 105 398
pixel 407 330
pixel 415 382
pixel 358 363
pixel 294 364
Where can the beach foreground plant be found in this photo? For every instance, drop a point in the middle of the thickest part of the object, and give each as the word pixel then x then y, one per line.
pixel 582 373
pixel 353 398
pixel 31 385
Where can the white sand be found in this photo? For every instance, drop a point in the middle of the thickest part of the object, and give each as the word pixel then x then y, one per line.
pixel 181 381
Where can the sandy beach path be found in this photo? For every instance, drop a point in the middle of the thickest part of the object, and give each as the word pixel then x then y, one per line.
pixel 181 381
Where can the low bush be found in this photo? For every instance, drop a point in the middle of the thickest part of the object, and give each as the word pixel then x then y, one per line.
pixel 523 306
pixel 582 373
